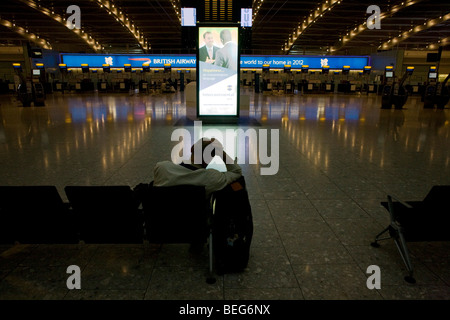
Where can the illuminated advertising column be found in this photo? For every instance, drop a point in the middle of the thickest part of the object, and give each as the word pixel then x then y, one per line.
pixel 218 72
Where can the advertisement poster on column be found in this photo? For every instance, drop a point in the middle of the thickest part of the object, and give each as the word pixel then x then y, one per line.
pixel 218 71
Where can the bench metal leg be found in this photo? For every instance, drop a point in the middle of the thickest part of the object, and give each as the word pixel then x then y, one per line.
pixel 377 238
pixel 403 249
pixel 211 279
pixel 400 242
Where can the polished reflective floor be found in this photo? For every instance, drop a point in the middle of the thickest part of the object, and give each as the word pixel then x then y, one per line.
pixel 338 156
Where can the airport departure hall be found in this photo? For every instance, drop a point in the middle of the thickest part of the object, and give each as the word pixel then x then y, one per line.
pixel 336 112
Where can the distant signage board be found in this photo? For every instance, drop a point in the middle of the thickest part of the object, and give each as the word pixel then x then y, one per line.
pixel 136 61
pixel 189 61
pixel 296 62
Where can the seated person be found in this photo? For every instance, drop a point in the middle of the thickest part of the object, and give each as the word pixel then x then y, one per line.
pixel 167 173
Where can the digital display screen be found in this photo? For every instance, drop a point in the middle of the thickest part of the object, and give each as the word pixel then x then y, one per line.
pixel 313 62
pixel 188 17
pixel 432 75
pixel 36 72
pixel 246 17
pixel 389 74
pixel 218 67
pixel 74 60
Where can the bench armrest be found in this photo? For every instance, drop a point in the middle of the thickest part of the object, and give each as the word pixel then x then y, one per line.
pixel 390 197
pixel 391 208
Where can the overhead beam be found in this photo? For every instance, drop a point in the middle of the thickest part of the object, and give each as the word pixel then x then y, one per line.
pixel 111 8
pixel 43 43
pixel 419 28
pixel 363 27
pixel 324 7
pixel 62 20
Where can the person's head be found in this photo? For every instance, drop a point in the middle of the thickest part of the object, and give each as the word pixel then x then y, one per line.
pixel 225 36
pixel 199 148
pixel 208 38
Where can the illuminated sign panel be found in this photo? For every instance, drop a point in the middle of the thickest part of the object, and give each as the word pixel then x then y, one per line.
pixel 246 17
pixel 189 61
pixel 136 61
pixel 188 17
pixel 296 62
pixel 218 71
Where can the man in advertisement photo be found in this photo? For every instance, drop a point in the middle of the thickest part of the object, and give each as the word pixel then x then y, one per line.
pixel 226 57
pixel 207 53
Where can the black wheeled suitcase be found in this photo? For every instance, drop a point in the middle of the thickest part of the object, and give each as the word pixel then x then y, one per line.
pixel 232 228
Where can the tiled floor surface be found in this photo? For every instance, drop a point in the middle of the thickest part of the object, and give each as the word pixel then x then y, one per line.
pixel 339 156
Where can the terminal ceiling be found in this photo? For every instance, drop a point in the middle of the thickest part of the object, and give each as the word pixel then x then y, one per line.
pixel 279 26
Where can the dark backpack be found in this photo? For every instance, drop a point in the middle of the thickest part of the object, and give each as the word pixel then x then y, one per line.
pixel 232 228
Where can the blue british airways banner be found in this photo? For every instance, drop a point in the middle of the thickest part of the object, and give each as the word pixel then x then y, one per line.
pixel 313 62
pixel 189 61
pixel 136 61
